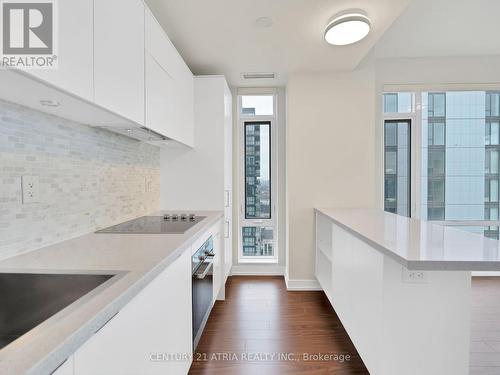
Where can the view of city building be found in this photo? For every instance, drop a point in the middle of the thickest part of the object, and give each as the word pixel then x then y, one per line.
pixel 257 241
pixel 460 148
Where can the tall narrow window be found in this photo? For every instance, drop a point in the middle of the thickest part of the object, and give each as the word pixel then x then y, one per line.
pixel 257 215
pixel 258 170
pixel 436 155
pixel 397 167
pixel 491 171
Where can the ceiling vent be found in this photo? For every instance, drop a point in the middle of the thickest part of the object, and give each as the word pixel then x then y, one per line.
pixel 259 75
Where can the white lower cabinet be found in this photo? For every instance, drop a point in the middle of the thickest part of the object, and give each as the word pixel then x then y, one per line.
pixel 218 266
pixel 66 368
pixel 156 324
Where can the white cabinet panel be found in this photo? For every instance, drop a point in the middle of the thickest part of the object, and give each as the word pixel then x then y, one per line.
pixel 119 57
pixel 160 99
pixel 75 50
pixel 218 266
pixel 179 124
pixel 66 368
pixel 157 320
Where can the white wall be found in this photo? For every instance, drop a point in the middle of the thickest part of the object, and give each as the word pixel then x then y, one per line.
pixel 330 154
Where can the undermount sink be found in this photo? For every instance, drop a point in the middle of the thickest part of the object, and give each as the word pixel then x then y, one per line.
pixel 28 299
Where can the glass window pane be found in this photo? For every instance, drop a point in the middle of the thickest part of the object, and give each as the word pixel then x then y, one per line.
pixel 435 190
pixel 390 103
pixel 438 134
pixel 436 162
pixel 391 133
pixel 258 170
pixel 492 104
pixel 397 167
pixel 258 241
pixel 401 102
pixel 257 105
pixel 462 134
pixel 494 133
pixel 437 104
pixel 493 161
pixel 435 213
pixel 390 162
pixel 493 190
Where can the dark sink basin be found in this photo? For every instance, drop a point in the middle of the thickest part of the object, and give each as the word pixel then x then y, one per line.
pixel 28 299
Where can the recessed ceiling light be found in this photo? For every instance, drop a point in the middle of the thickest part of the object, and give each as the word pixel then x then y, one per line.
pixel 49 103
pixel 263 22
pixel 347 29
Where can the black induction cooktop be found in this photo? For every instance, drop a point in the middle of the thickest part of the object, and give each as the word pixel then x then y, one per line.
pixel 166 224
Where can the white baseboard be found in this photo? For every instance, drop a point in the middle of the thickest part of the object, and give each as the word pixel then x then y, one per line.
pixel 292 284
pixel 257 270
pixel 485 273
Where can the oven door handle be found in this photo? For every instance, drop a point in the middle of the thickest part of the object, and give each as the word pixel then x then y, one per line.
pixel 207 269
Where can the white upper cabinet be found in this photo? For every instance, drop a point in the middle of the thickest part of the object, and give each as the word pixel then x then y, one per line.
pixel 74 73
pixel 169 87
pixel 160 98
pixel 119 57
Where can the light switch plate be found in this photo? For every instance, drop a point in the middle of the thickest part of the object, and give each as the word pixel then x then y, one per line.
pixel 31 189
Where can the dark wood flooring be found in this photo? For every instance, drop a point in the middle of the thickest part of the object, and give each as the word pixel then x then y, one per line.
pixel 260 318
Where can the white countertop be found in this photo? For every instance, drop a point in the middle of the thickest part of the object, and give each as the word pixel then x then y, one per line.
pixel 138 258
pixel 418 244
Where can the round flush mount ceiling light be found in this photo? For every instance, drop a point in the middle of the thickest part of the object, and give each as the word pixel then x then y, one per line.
pixel 347 28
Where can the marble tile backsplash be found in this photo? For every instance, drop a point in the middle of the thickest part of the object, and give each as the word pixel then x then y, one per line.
pixel 88 178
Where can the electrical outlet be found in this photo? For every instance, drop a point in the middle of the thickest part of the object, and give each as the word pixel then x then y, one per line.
pixel 414 277
pixel 147 184
pixel 31 189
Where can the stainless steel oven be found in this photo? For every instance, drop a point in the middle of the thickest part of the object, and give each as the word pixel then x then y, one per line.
pixel 202 283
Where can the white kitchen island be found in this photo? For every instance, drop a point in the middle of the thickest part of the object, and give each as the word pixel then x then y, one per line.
pixel 401 287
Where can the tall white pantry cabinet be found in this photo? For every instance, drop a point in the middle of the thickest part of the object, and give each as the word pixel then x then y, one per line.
pixel 201 178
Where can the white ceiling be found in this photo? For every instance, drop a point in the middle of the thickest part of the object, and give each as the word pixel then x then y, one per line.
pixel 221 36
pixel 444 28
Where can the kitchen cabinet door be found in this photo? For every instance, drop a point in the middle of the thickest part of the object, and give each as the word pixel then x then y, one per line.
pixel 119 57
pixel 160 99
pixel 157 320
pixel 74 73
pixel 180 122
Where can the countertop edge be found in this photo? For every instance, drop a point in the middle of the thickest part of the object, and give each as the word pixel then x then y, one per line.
pixel 417 265
pixel 70 345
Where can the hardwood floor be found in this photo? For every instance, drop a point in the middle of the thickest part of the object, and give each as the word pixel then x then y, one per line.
pixel 260 317
pixel 485 326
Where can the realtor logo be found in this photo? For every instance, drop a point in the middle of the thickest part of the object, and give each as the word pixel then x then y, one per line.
pixel 28 30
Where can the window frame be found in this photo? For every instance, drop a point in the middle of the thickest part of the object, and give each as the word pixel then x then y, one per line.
pixel 395 149
pixel 243 221
pixel 414 118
